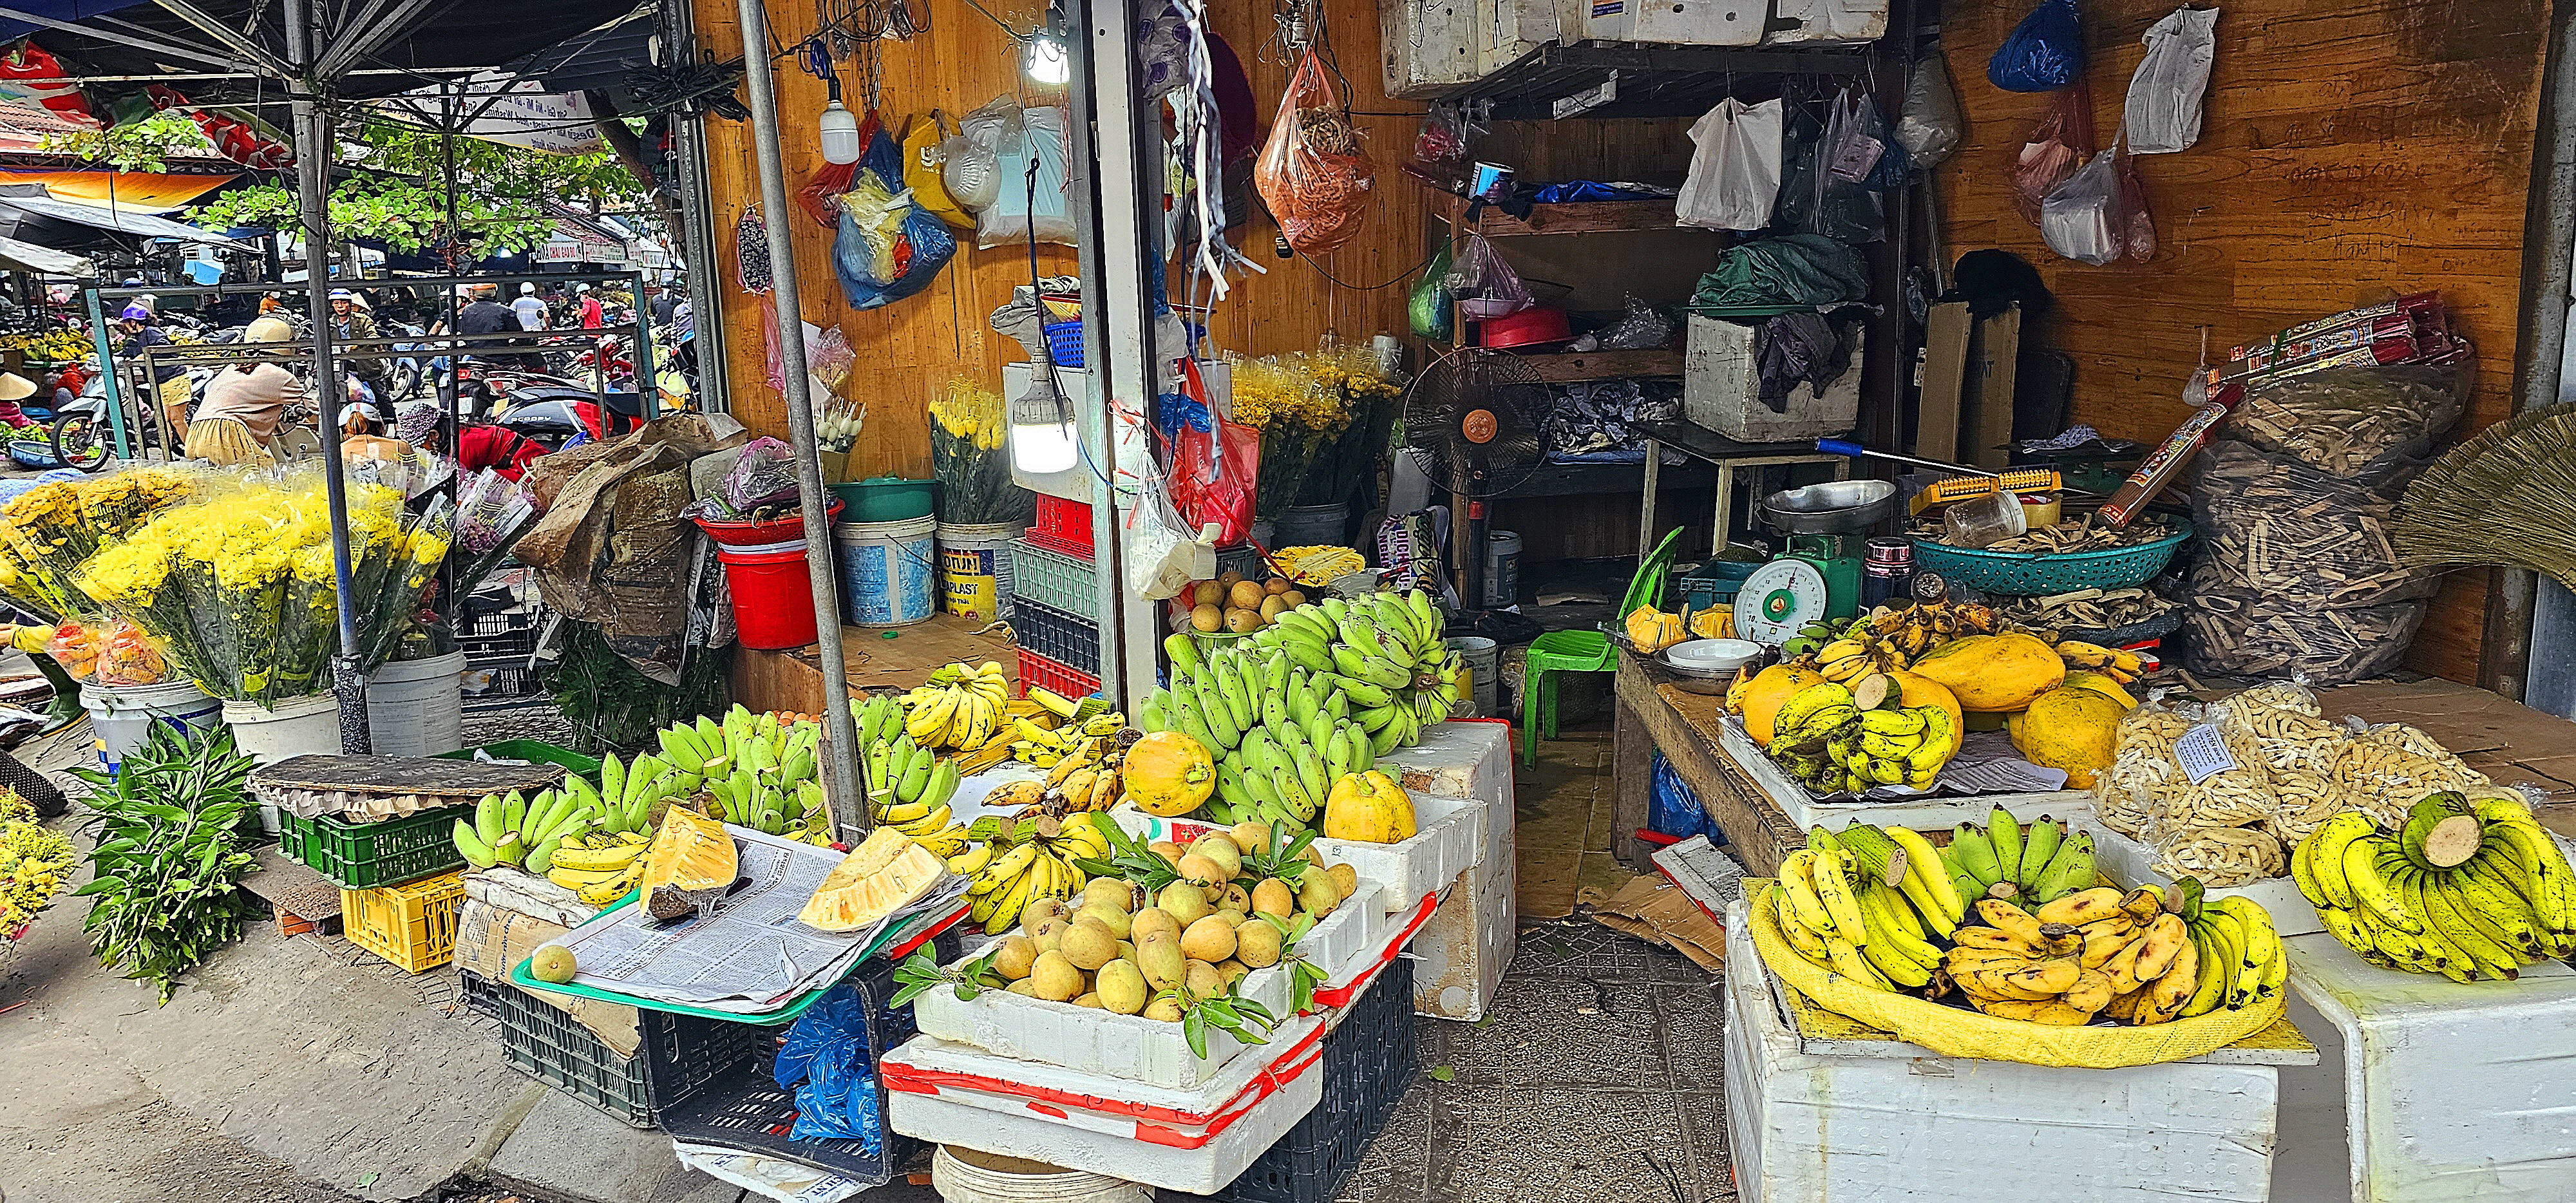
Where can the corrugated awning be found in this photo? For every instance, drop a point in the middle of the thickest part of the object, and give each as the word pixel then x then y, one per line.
pixel 130 191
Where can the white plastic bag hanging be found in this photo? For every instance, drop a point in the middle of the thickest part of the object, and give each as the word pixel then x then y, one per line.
pixel 1929 127
pixel 2077 218
pixel 1163 554
pixel 2163 114
pixel 1015 214
pixel 1735 172
pixel 971 161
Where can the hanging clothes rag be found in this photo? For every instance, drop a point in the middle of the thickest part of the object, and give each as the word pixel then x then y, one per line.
pixel 1798 269
pixel 1799 348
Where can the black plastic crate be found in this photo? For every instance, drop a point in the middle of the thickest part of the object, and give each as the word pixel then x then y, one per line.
pixel 745 1109
pixel 678 1053
pixel 480 994
pixel 1369 1062
pixel 511 678
pixel 1067 639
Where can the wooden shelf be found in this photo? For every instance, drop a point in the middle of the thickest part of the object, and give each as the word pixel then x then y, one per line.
pixel 1573 367
pixel 1653 80
pixel 1578 217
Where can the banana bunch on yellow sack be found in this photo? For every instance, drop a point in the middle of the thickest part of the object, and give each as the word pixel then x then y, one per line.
pixel 959 707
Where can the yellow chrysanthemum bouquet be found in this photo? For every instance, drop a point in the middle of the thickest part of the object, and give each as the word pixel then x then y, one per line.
pixel 967 425
pixel 48 531
pixel 1320 414
pixel 238 583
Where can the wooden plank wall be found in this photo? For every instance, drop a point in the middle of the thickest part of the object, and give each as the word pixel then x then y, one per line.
pixel 910 349
pixel 2348 147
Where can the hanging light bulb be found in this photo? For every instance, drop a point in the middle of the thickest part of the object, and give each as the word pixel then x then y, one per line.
pixel 838 129
pixel 1046 60
pixel 1043 441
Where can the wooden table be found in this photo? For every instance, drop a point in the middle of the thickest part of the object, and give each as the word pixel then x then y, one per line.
pixel 1764 815
pixel 793 679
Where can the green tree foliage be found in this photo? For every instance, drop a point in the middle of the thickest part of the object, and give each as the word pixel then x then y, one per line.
pixel 396 191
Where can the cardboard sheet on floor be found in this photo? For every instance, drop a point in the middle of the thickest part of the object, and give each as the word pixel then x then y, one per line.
pixel 1658 912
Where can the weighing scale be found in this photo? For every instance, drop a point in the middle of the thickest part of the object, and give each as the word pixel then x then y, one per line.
pixel 1817 577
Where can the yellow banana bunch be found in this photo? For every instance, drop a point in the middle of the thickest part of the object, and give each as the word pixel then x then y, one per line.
pixel 599 887
pixel 2467 887
pixel 960 707
pixel 1839 909
pixel 1837 738
pixel 2095 952
pixel 2119 664
pixel 1003 880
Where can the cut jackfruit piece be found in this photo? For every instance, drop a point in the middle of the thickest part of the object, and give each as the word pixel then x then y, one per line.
pixel 878 878
pixel 692 861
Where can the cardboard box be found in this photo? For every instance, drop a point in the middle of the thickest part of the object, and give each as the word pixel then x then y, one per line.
pixel 1676 22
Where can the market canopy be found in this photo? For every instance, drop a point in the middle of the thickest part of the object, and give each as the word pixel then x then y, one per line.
pixel 123 191
pixel 28 257
pixel 28 214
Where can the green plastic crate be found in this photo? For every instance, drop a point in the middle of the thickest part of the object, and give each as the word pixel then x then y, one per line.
pixel 536 751
pixel 1052 578
pixel 362 856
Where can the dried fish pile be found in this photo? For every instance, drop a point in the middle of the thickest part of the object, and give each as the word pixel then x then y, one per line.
pixel 2087 610
pixel 2297 570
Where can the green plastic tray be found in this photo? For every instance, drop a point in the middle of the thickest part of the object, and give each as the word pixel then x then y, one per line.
pixel 520 977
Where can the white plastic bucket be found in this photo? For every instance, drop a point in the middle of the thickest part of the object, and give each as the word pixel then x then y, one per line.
pixel 1484 660
pixel 305 726
pixel 975 568
pixel 121 716
pixel 887 572
pixel 960 1179
pixel 417 707
pixel 1502 568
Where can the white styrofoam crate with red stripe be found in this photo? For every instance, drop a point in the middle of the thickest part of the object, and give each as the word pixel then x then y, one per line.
pixel 1448 835
pixel 1131 1046
pixel 1194 1139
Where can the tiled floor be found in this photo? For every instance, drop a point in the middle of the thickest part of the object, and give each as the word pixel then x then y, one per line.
pixel 1595 1075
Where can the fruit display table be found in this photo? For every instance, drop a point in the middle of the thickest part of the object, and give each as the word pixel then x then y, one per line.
pixel 1821 1109
pixel 1764 814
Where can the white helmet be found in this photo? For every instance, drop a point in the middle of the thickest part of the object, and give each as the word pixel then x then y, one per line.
pixel 527 289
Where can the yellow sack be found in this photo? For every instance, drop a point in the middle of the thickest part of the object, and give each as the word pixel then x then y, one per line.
pixel 921 161
pixel 1960 1032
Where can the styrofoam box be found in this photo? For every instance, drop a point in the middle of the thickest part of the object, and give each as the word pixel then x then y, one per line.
pixel 1927 812
pixel 1125 1046
pixel 1676 22
pixel 1428 45
pixel 2132 863
pixel 1352 976
pixel 1460 954
pixel 1248 1112
pixel 1461 758
pixel 1844 22
pixel 1722 389
pixel 529 894
pixel 1448 833
pixel 1113 1106
pixel 1810 1128
pixel 1508 29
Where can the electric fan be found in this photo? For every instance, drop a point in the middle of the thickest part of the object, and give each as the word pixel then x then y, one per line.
pixel 1471 420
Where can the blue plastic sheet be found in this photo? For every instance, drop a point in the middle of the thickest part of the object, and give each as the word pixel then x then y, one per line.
pixel 2045 51
pixel 826 1061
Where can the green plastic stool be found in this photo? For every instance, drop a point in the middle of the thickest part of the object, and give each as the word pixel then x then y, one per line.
pixel 1581 652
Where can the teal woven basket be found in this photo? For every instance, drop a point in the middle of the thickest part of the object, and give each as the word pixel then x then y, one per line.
pixel 2035 574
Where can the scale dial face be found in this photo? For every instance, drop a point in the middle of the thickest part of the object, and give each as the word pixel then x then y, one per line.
pixel 1777 600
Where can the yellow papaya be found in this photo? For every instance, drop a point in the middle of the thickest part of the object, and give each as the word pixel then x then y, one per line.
pixel 1993 672
pixel 2069 728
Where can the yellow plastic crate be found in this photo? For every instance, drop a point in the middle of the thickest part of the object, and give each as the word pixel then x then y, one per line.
pixel 412 925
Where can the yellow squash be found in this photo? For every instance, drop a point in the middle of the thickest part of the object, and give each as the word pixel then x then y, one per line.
pixel 882 875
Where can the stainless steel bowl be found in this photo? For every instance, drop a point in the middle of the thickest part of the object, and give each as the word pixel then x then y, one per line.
pixel 1832 508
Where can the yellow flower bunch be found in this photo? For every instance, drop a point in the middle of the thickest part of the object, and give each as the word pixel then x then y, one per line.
pixel 971 414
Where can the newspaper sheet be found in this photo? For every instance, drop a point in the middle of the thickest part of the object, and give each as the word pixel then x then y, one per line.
pixel 749 954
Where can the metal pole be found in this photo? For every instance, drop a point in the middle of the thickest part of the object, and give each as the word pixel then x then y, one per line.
pixel 313 175
pixel 1115 186
pixel 840 734
pixel 107 371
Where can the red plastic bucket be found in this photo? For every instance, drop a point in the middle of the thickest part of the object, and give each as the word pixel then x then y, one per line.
pixel 773 597
pixel 754 534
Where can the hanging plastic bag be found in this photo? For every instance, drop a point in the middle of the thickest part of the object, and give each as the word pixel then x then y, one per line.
pixel 828 356
pixel 2078 219
pixel 1313 173
pixel 2137 228
pixel 1812 201
pixel 1018 214
pixel 1735 169
pixel 1929 126
pixel 971 162
pixel 1213 477
pixel 2045 51
pixel 1485 285
pixel 920 247
pixel 1164 552
pixel 923 157
pixel 870 225
pixel 2163 112
pixel 2055 147
pixel 1429 308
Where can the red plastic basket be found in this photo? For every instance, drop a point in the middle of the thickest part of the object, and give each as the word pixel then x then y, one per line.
pixel 1038 672
pixel 1063 526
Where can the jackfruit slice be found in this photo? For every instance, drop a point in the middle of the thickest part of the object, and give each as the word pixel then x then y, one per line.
pixel 691 864
pixel 879 877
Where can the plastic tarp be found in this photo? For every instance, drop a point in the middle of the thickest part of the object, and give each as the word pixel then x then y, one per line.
pixel 21 201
